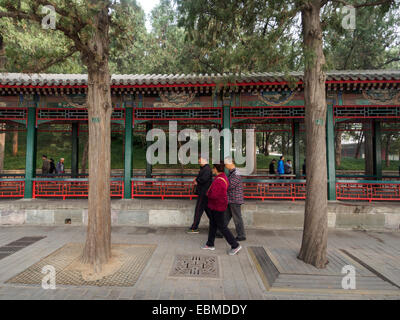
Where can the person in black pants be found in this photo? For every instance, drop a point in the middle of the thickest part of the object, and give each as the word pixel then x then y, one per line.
pixel 218 203
pixel 202 182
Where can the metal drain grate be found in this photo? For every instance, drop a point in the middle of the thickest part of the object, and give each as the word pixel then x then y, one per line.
pixel 197 266
pixel 17 245
pixel 131 261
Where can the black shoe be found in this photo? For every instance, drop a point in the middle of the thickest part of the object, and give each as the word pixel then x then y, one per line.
pixel 240 239
pixel 220 236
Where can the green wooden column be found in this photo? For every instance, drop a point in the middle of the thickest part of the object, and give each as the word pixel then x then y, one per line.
pixel 226 124
pixel 226 101
pixel 330 152
pixel 128 153
pixel 31 141
pixel 296 149
pixel 75 150
pixel 377 149
pixel 149 167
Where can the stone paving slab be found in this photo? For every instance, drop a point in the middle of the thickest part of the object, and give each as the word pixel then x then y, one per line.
pixel 239 277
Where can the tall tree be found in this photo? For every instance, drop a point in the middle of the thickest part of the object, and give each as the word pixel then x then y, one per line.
pixel 85 26
pixel 258 25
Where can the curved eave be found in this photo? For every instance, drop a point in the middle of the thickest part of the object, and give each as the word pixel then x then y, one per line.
pixel 351 80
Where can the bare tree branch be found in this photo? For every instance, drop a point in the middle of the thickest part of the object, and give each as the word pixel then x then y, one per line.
pixel 42 67
pixel 388 62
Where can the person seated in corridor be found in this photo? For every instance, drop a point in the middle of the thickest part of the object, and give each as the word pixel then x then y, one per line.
pixel 60 167
pixel 288 167
pixel 218 203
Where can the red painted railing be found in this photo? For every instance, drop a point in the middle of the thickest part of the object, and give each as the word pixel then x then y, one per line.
pixel 284 189
pixel 71 188
pixel 368 191
pixel 163 188
pixel 183 188
pixel 261 190
pixel 12 188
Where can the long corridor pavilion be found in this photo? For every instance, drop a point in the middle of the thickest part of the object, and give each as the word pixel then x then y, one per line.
pixel 355 99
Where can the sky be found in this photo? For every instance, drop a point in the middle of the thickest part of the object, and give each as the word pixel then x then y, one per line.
pixel 147 6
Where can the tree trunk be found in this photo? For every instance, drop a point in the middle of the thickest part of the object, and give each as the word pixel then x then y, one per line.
pixel 85 157
pixel 359 143
pixel 97 249
pixel 338 146
pixel 315 234
pixel 2 146
pixel 266 144
pixel 15 141
pixel 3 58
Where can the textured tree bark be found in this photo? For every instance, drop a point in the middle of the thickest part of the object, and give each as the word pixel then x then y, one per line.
pixel 3 58
pixel 97 249
pixel 315 233
pixel 338 146
pixel 15 141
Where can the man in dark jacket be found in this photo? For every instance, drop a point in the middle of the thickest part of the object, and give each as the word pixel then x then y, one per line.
pixel 235 199
pixel 202 183
pixel 45 165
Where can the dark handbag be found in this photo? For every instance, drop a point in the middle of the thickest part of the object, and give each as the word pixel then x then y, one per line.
pixel 195 190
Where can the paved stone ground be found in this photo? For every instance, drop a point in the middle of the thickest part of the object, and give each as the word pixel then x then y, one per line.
pixel 239 280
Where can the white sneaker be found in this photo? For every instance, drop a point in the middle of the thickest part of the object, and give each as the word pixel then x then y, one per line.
pixel 206 247
pixel 232 252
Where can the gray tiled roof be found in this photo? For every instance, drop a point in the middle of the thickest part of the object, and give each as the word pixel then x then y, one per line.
pixel 163 79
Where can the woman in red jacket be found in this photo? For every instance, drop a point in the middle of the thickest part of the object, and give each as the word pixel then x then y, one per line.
pixel 217 204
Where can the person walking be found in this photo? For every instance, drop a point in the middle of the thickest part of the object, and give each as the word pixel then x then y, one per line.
pixel 281 165
pixel 45 165
pixel 235 200
pixel 218 203
pixel 202 184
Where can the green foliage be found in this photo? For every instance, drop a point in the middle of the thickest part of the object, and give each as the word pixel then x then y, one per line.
pixel 29 46
pixel 241 35
pixel 374 44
